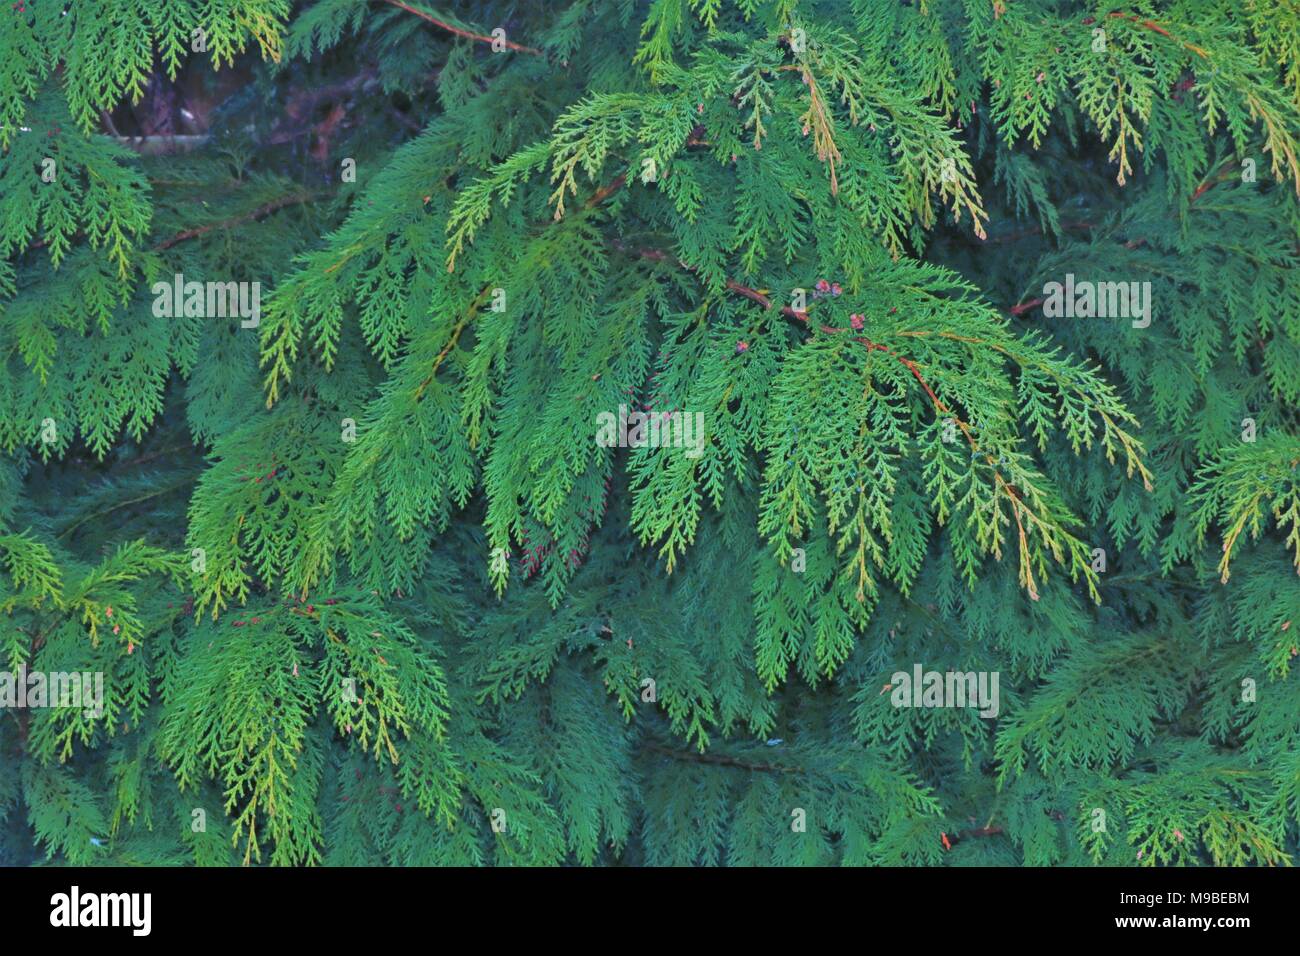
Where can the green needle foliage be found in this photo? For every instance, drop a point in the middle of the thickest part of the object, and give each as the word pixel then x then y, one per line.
pixel 363 581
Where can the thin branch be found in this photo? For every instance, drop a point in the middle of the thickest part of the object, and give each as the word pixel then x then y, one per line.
pixel 980 832
pixel 107 120
pixel 720 760
pixel 261 212
pixel 604 192
pixel 1157 28
pixel 1024 307
pixel 167 489
pixel 451 343
pixel 458 31
pixel 598 197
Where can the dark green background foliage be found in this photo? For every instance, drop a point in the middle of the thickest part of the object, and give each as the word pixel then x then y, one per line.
pixel 618 207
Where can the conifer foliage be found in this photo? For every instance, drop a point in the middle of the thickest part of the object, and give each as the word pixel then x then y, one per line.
pixel 519 433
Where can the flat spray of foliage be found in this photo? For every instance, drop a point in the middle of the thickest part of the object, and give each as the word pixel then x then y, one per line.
pixel 826 225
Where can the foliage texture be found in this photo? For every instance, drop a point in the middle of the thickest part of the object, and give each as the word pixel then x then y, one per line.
pixel 365 588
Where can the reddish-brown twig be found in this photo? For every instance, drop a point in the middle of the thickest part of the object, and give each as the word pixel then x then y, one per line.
pixel 1024 307
pixel 1157 28
pixel 261 212
pixel 462 33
